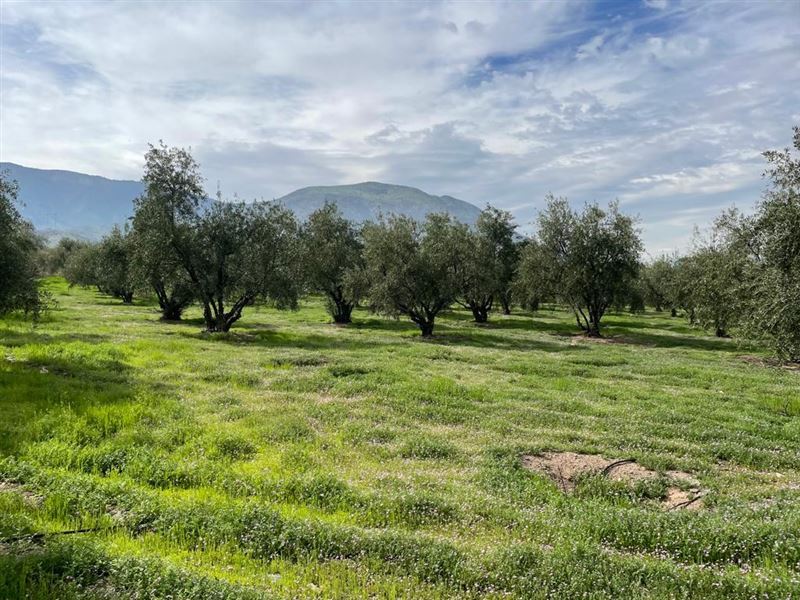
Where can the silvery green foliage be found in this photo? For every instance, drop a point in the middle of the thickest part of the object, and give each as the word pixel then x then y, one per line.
pixel 228 254
pixel 113 265
pixel 489 259
pixel 658 283
pixel 333 261
pixel 18 246
pixel 770 241
pixel 496 231
pixel 586 259
pixel 240 253
pixel 173 193
pixel 711 276
pixel 412 268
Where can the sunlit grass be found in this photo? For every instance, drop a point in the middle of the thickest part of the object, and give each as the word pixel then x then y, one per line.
pixel 294 458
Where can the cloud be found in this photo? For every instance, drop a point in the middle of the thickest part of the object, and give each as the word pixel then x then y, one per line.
pixel 657 4
pixel 700 181
pixel 665 106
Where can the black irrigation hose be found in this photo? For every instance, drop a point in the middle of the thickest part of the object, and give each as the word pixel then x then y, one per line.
pixel 42 535
pixel 687 503
pixel 616 464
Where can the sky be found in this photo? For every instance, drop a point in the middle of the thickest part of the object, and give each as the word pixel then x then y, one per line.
pixel 663 105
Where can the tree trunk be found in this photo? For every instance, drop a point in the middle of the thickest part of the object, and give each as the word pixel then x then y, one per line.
pixel 342 312
pixel 171 307
pixel 595 314
pixel 480 313
pixel 171 310
pixel 505 302
pixel 218 321
pixel 426 327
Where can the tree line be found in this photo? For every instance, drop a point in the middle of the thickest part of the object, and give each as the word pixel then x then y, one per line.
pixel 183 247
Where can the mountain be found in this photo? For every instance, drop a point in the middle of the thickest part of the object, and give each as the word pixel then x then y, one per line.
pixel 60 203
pixel 366 201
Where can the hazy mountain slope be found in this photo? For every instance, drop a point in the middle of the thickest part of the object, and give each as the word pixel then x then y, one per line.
pixel 364 201
pixel 70 203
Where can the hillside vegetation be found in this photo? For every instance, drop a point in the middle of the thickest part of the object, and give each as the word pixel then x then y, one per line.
pixel 294 458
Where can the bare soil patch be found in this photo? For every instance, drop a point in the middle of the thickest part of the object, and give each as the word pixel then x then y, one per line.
pixel 565 468
pixel 575 339
pixel 29 497
pixel 769 362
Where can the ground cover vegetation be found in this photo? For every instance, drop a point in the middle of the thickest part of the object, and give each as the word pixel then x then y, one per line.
pixel 170 430
pixel 292 458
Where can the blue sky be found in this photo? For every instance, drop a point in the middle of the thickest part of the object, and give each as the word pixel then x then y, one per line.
pixel 665 105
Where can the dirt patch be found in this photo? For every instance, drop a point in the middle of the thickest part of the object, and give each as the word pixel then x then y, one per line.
pixel 15 488
pixel 575 339
pixel 565 468
pixel 769 362
pixel 681 499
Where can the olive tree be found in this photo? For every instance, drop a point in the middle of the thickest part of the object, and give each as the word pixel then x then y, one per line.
pixel 769 244
pixel 333 261
pixel 658 283
pixel 413 268
pixel 477 278
pixel 241 253
pixel 18 248
pixel 80 267
pixel 164 217
pixel 589 258
pixel 231 254
pixel 112 266
pixel 497 230
pixel 489 255
pixel 53 260
pixel 532 280
pixel 712 274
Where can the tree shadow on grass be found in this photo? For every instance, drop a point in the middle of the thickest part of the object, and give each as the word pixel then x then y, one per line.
pixel 378 324
pixel 487 340
pixel 676 341
pixel 287 339
pixel 625 336
pixel 21 338
pixel 634 322
pixel 542 321
pixel 31 389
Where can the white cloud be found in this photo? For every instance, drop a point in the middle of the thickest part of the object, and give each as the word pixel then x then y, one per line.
pixel 498 102
pixel 700 181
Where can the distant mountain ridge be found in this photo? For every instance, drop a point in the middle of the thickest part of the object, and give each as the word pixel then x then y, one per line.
pixel 60 203
pixel 368 201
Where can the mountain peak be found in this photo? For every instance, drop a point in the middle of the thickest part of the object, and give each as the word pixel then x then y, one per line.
pixel 60 202
pixel 369 199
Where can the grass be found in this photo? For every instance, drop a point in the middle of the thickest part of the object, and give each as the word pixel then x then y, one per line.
pixel 292 458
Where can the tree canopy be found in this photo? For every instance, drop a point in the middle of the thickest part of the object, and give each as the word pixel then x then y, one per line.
pixel 18 247
pixel 587 259
pixel 333 261
pixel 163 219
pixel 413 268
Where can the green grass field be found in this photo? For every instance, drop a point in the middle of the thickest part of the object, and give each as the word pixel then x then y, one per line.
pixel 295 459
